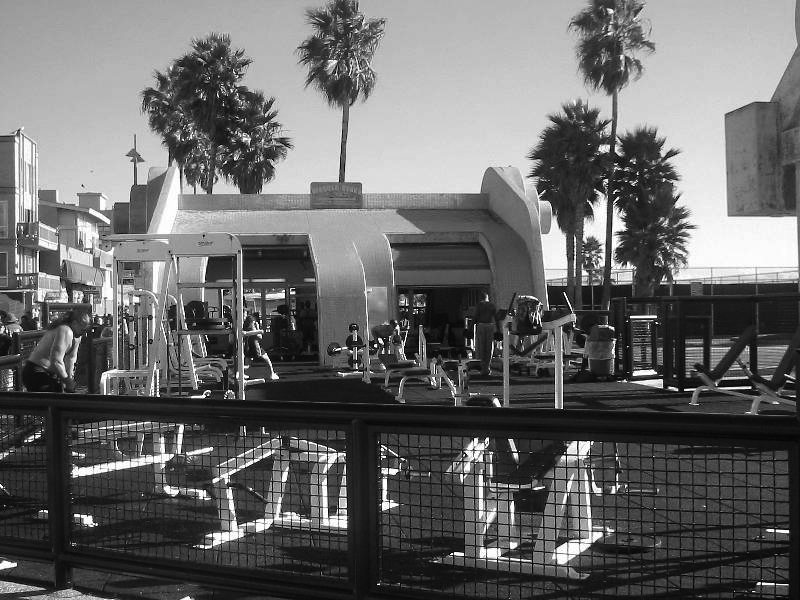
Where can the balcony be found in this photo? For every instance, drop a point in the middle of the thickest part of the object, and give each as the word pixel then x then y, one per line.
pixel 102 259
pixel 38 281
pixel 37 235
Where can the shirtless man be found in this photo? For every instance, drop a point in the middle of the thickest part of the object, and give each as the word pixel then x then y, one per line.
pixel 51 365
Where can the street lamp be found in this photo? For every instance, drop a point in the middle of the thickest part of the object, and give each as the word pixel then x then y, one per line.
pixel 135 159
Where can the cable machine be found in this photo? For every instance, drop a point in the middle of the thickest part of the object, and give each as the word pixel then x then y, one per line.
pixel 175 346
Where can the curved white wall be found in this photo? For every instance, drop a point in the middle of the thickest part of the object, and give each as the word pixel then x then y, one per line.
pixel 509 201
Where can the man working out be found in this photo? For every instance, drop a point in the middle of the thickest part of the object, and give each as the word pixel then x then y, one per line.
pixel 485 328
pixel 51 365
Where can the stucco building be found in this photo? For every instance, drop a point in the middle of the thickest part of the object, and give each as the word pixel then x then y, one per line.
pixel 364 257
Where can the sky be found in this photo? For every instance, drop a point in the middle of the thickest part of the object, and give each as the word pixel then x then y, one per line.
pixel 463 85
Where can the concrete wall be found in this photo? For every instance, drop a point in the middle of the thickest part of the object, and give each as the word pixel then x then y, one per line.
pixel 762 149
pixel 509 200
pixel 752 160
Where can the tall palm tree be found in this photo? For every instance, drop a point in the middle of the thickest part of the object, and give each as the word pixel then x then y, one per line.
pixel 569 165
pixel 168 118
pixel 654 239
pixel 207 84
pixel 642 164
pixel 611 34
pixel 339 58
pixel 255 144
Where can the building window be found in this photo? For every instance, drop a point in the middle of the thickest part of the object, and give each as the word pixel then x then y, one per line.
pixel 3 269
pixel 3 219
pixel 27 263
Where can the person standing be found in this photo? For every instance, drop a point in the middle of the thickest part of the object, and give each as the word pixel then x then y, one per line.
pixel 252 336
pixel 485 327
pixel 12 324
pixel 51 365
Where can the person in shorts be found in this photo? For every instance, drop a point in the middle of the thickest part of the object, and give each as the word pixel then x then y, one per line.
pixel 51 365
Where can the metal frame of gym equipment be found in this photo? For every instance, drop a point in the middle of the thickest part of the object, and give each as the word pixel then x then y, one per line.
pixel 358 354
pixel 150 344
pixel 361 355
pixel 420 368
pixel 168 250
pixel 556 327
pixel 285 452
pixel 198 364
pixel 487 501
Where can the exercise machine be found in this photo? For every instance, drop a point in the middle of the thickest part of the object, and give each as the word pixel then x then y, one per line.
pixel 491 500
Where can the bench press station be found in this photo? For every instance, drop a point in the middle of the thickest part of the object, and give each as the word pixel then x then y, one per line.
pixel 566 529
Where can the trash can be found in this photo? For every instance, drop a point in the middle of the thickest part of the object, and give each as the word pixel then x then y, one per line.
pixel 599 350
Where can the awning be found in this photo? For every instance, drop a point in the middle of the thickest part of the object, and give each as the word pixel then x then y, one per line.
pixel 424 257
pixel 440 265
pixel 75 272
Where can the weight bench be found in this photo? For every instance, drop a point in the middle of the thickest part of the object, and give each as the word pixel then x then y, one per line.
pixel 712 377
pixel 442 370
pixel 407 369
pixel 287 452
pixel 772 389
pixel 492 499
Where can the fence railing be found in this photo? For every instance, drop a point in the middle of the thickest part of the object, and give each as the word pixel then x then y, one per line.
pixel 669 334
pixel 363 501
pixel 706 275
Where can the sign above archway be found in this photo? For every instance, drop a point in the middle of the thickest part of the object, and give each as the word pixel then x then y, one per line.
pixel 336 195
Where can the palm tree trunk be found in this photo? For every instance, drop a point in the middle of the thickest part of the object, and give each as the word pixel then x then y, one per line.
pixel 343 150
pixel 570 235
pixel 577 301
pixel 612 153
pixel 212 161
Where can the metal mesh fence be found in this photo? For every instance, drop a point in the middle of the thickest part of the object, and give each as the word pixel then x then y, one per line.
pixel 575 519
pixel 23 478
pixel 472 505
pixel 234 495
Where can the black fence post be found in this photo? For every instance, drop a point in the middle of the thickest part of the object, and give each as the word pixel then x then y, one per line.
pixel 794 519
pixel 91 365
pixel 361 508
pixel 754 344
pixel 58 477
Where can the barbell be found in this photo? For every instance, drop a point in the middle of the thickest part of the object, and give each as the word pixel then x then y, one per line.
pixel 335 348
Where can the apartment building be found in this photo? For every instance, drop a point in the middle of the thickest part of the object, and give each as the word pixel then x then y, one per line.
pixel 49 249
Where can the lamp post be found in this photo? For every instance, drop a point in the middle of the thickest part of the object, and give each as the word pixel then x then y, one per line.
pixel 136 158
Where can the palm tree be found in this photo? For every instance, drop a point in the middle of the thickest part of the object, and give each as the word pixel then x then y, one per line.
pixel 196 167
pixel 168 118
pixel 207 84
pixel 642 164
pixel 255 144
pixel 654 239
pixel 592 253
pixel 611 34
pixel 592 258
pixel 569 165
pixel 211 124
pixel 339 58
